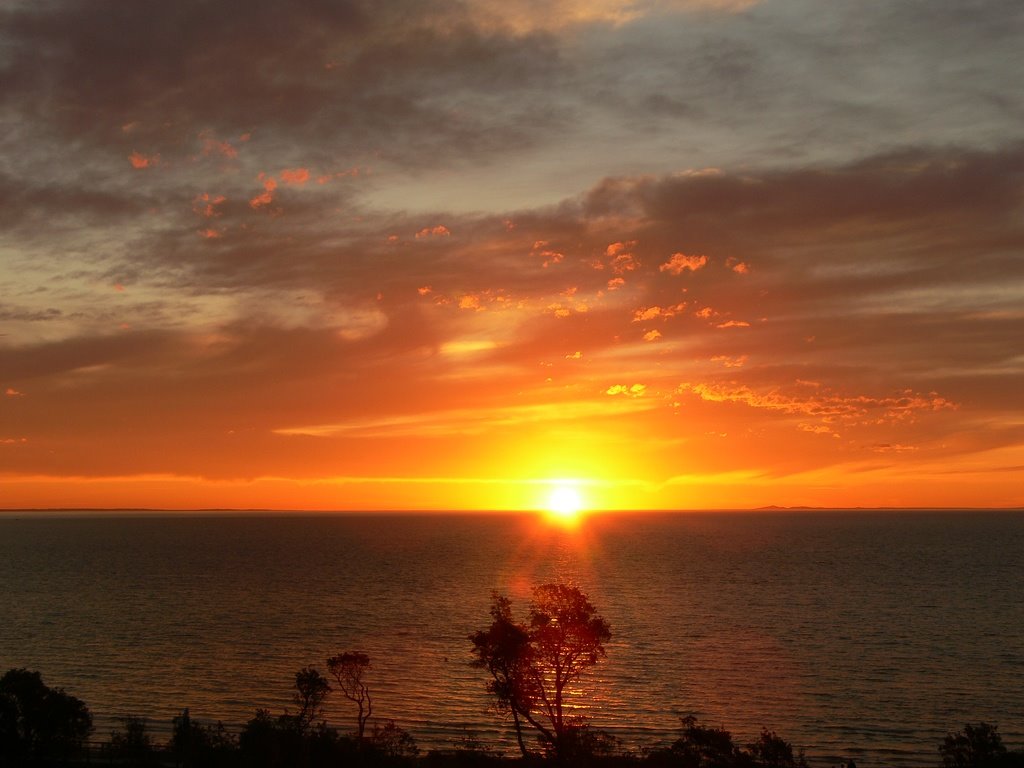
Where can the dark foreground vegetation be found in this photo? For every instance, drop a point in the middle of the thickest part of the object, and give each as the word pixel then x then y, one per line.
pixel 531 664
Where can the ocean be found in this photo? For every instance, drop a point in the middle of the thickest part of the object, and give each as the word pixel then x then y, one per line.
pixel 864 635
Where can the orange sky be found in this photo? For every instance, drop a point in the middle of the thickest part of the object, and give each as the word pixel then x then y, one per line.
pixel 378 257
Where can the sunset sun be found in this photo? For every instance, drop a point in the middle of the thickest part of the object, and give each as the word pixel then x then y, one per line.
pixel 564 503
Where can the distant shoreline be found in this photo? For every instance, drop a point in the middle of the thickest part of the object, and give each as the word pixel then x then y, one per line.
pixel 126 512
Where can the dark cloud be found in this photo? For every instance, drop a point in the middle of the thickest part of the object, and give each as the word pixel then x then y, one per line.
pixel 347 77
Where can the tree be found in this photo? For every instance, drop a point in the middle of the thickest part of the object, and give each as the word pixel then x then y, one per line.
pixel 37 721
pixel 703 747
pixel 772 751
pixel 196 745
pixel 133 745
pixel 393 741
pixel 503 649
pixel 976 746
pixel 348 669
pixel 311 688
pixel 533 664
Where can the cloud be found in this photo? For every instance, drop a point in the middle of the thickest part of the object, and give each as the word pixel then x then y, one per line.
pixel 680 262
pixel 827 406
pixel 651 313
pixel 730 362
pixel 266 197
pixel 630 390
pixel 140 161
pixel 213 146
pixel 438 230
pixel 295 176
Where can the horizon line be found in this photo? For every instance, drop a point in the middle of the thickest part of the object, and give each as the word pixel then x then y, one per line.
pixel 6 511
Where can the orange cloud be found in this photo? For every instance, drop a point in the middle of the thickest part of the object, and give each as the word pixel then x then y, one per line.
pixel 632 390
pixel 615 283
pixel 266 197
pixel 540 249
pixel 730 362
pixel 559 311
pixel 140 161
pixel 295 176
pixel 652 335
pixel 737 266
pixel 205 205
pixel 438 231
pixel 734 324
pixel 12 392
pixel 650 313
pixel 212 146
pixel 856 409
pixel 680 262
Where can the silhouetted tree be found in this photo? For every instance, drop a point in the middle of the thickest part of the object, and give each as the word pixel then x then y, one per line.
pixel 532 665
pixel 311 688
pixel 504 650
pixel 348 669
pixel 37 721
pixel 133 745
pixel 976 746
pixel 195 745
pixel 702 747
pixel 772 751
pixel 393 742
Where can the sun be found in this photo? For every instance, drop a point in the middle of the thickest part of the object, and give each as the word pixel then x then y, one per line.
pixel 564 504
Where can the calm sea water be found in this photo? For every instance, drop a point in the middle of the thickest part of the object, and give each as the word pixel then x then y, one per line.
pixel 863 635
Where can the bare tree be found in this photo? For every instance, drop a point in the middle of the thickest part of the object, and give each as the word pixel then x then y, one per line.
pixel 348 669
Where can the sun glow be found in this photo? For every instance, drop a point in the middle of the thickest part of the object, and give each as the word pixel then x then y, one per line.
pixel 564 504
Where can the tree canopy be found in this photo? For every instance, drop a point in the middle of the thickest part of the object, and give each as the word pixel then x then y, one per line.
pixel 348 670
pixel 535 664
pixel 37 721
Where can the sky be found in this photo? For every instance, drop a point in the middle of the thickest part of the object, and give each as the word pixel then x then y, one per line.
pixel 332 254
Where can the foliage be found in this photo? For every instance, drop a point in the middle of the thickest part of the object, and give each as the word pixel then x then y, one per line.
pixel 133 745
pixel 978 746
pixel 534 665
pixel 771 751
pixel 393 742
pixel 196 746
pixel 348 669
pixel 702 747
pixel 311 689
pixel 39 722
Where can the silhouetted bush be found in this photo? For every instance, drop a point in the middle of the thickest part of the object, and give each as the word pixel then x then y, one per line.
pixel 39 723
pixel 197 746
pixel 978 746
pixel 701 747
pixel 42 727
pixel 771 751
pixel 698 747
pixel 393 743
pixel 132 746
